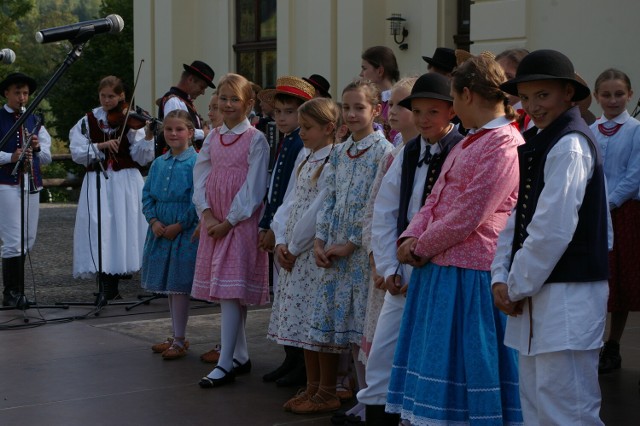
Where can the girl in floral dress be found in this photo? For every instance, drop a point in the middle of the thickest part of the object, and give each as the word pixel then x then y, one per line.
pixel 338 317
pixel 294 228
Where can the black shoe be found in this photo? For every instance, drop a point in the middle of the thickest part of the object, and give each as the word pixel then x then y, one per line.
pixel 296 377
pixel 239 369
pixel 207 382
pixel 16 300
pixel 377 416
pixel 610 358
pixel 286 366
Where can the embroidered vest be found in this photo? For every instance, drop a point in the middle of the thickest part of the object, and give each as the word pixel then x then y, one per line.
pixel 7 120
pixel 586 257
pixel 410 164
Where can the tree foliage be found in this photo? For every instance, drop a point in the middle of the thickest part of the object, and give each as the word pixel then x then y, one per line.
pixel 107 54
pixel 76 90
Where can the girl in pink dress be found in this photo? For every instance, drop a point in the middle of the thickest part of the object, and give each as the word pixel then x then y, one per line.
pixel 230 181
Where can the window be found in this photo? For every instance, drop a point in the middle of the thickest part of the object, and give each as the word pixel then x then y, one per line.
pixel 255 46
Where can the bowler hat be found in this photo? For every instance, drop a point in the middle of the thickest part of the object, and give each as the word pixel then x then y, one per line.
pixel 546 65
pixel 443 58
pixel 288 85
pixel 201 70
pixel 429 86
pixel 16 78
pixel 320 83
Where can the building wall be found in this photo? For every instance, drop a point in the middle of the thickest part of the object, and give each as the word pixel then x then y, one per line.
pixel 594 34
pixel 328 36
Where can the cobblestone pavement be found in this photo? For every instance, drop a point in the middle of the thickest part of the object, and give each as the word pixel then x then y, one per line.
pixel 49 269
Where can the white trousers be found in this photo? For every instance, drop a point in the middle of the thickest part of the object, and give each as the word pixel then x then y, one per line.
pixel 10 222
pixel 383 348
pixel 560 388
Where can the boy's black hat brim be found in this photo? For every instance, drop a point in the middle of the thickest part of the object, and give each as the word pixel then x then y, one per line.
pixel 511 86
pixel 406 102
pixel 546 64
pixel 18 78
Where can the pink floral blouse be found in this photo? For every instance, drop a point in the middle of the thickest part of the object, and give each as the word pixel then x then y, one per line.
pixel 471 200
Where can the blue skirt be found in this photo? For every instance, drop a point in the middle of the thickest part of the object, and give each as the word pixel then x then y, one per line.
pixel 451 366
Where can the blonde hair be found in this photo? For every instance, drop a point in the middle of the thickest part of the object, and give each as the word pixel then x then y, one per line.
pixel 370 90
pixel 323 111
pixel 240 86
pixel 405 83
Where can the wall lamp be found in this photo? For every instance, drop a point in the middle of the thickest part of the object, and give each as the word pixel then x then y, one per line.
pixel 396 28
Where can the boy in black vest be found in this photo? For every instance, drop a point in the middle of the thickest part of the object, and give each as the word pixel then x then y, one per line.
pixel 402 193
pixel 550 271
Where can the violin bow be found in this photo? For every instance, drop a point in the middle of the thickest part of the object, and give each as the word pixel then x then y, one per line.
pixel 131 103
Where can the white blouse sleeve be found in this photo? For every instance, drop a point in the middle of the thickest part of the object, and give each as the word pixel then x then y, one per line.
pixel 81 152
pixel 304 231
pixel 44 139
pixel 384 224
pixel 279 222
pixel 201 171
pixel 141 150
pixel 252 192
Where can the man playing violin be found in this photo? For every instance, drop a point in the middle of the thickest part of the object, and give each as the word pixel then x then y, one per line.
pixel 193 82
pixel 16 88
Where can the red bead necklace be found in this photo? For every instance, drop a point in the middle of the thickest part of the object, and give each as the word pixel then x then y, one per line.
pixel 609 131
pixel 230 143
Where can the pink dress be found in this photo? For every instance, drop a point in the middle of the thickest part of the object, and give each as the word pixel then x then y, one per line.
pixel 231 267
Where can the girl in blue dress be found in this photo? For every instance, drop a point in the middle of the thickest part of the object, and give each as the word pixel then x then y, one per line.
pixel 169 250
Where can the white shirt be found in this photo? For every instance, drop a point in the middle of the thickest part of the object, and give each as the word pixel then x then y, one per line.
pixel 304 232
pixel 250 196
pixel 566 316
pixel 141 150
pixel 44 139
pixel 621 157
pixel 174 103
pixel 384 228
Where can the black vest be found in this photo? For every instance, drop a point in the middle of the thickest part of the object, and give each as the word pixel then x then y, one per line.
pixel 410 164
pixel 7 120
pixel 586 257
pixel 282 170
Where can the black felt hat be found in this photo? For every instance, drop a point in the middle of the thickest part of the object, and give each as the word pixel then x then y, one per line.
pixel 443 58
pixel 201 70
pixel 546 65
pixel 16 78
pixel 429 86
pixel 320 83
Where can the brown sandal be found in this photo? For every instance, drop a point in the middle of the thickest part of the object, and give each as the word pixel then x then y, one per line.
pixel 212 356
pixel 318 403
pixel 300 396
pixel 175 351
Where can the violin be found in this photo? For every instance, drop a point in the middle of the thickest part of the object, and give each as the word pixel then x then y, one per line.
pixel 134 120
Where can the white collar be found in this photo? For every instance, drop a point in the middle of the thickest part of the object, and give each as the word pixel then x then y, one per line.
pixel 620 119
pixel 493 124
pixel 385 95
pixel 239 129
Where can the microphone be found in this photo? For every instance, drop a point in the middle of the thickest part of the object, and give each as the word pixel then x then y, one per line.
pixel 112 24
pixel 7 56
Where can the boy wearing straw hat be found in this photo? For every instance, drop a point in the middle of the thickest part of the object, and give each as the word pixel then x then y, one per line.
pixel 286 98
pixel 550 271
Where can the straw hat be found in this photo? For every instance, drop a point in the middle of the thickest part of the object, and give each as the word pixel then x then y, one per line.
pixel 288 85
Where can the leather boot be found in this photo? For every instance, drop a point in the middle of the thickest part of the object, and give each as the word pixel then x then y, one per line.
pixel 11 280
pixel 110 286
pixel 297 376
pixel 285 367
pixel 376 416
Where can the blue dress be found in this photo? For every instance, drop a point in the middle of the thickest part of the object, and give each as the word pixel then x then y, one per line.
pixel 168 266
